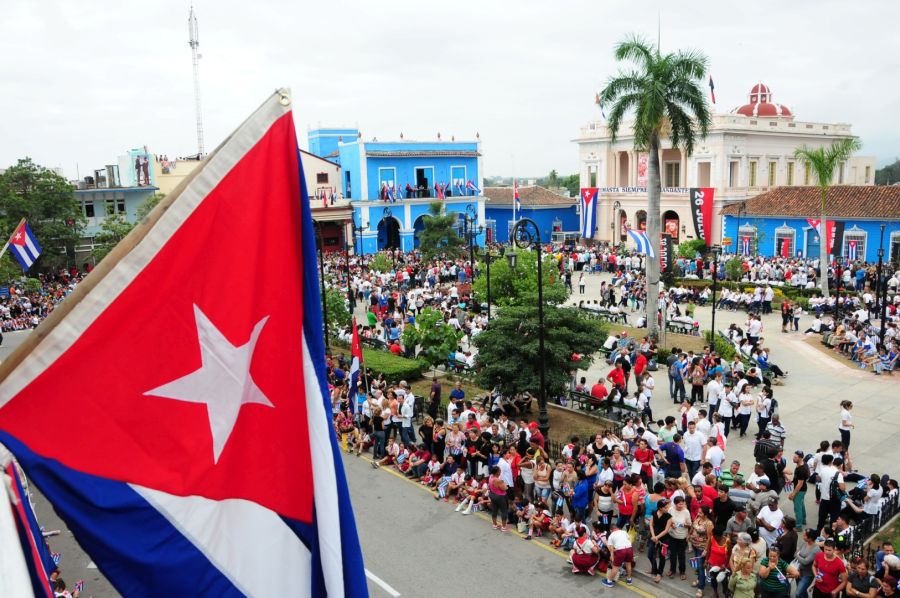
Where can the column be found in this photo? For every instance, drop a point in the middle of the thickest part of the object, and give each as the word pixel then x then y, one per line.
pixel 683 178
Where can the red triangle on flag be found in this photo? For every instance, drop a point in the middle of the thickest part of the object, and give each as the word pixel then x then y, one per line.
pixel 210 288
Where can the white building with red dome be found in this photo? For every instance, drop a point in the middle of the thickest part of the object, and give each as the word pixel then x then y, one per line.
pixel 748 151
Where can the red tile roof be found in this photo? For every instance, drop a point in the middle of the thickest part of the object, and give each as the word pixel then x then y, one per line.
pixel 529 196
pixel 843 201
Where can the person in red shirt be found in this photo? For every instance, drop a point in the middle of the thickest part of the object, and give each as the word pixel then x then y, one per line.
pixel 396 349
pixel 829 571
pixel 616 377
pixel 536 436
pixel 640 367
pixel 599 392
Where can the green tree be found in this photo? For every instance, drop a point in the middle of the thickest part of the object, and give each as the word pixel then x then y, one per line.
pixel 888 175
pixel 553 179
pixel 509 355
pixel 113 229
pixel 823 161
pixel 380 263
pixel 338 313
pixel 665 93
pixel 689 249
pixel 519 286
pixel 46 200
pixel 433 338
pixel 439 236
pixel 734 268
pixel 572 183
pixel 148 204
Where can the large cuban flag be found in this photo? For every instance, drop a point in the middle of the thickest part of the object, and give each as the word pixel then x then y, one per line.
pixel 188 370
pixel 588 212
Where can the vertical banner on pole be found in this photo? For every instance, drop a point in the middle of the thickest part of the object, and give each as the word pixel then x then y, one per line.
pixel 701 212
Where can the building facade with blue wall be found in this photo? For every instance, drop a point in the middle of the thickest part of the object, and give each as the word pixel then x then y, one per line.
pixel 552 212
pixel 391 184
pixel 764 224
pixel 324 142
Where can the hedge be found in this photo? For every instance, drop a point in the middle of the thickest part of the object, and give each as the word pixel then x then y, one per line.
pixel 393 367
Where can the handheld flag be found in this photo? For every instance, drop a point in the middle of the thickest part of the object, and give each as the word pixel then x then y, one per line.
pixel 643 243
pixel 206 463
pixel 599 105
pixel 588 212
pixel 39 560
pixel 24 245
pixel 712 90
pixel 473 187
pixel 356 357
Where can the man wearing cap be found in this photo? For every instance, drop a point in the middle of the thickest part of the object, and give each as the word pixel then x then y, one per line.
pixel 800 480
pixel 738 523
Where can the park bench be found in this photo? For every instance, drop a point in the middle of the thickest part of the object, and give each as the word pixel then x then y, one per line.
pixel 617 411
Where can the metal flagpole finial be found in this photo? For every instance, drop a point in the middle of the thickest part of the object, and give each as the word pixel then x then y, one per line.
pixel 284 96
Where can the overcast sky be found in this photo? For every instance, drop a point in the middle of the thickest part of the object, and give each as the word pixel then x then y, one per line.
pixel 84 81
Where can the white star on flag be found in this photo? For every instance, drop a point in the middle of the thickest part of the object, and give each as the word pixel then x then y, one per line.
pixel 223 382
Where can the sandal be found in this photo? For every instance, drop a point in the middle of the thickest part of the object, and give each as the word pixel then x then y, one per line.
pixel 699 594
pixel 694 584
pixel 683 577
pixel 657 579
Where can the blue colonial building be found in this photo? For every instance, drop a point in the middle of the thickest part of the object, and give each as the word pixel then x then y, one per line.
pixel 554 214
pixel 779 220
pixel 390 184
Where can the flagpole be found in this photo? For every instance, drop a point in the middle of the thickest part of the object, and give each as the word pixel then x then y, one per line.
pixel 9 240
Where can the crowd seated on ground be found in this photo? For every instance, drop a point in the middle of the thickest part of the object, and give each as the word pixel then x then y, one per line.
pixel 24 308
pixel 669 495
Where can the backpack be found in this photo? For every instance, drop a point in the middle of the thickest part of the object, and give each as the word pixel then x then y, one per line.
pixel 675 371
pixel 773 408
pixel 834 489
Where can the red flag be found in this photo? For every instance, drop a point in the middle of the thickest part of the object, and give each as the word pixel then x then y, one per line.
pixel 720 438
pixel 712 90
pixel 785 248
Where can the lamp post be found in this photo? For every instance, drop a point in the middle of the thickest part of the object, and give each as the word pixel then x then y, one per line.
pixel 357 231
pixel 881 282
pixel 488 258
pixel 525 232
pixel 351 300
pixel 387 215
pixel 318 228
pixel 615 224
pixel 715 250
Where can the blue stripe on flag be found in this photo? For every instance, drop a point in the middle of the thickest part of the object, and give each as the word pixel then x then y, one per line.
pixel 123 532
pixel 354 577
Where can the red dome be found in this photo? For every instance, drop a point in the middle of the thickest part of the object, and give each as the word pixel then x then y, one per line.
pixel 760 104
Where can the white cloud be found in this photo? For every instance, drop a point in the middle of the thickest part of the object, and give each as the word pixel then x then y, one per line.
pixel 82 82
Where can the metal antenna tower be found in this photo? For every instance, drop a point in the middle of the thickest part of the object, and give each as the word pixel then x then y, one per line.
pixel 194 42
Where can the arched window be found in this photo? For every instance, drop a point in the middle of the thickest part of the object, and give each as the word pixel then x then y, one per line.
pixel 747 240
pixel 785 234
pixel 854 244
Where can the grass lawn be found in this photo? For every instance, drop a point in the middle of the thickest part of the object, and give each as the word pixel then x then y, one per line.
pixel 682 341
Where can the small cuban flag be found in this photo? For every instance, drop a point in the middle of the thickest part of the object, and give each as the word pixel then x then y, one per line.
pixel 473 187
pixel 79 585
pixel 55 556
pixel 643 243
pixel 695 562
pixel 24 245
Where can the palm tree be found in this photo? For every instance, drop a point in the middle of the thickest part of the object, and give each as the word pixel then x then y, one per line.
pixel 823 161
pixel 665 93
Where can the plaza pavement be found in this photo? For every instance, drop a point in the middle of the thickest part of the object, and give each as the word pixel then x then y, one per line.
pixel 808 400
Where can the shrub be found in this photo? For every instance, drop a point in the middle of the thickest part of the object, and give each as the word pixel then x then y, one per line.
pixel 734 269
pixel 662 355
pixel 393 367
pixel 723 347
pixel 689 249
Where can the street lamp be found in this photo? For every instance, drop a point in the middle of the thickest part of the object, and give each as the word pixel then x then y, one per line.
pixel 525 232
pixel 471 231
pixel 357 231
pixel 350 298
pixel 615 223
pixel 715 250
pixel 387 215
pixel 488 258
pixel 881 282
pixel 318 228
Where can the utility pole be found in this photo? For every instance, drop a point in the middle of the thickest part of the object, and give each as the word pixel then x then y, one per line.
pixel 194 43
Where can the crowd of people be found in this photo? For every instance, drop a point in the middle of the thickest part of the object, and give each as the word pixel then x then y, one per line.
pixel 23 307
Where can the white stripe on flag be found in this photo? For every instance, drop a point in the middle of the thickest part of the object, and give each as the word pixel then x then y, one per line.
pixel 23 255
pixel 30 244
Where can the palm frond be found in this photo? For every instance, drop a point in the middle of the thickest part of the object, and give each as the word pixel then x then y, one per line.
pixel 636 49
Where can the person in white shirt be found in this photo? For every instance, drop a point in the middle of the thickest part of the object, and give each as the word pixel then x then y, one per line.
pixel 769 521
pixel 704 426
pixel 715 391
pixel 693 448
pixel 846 423
pixel 622 554
pixel 714 454
pixel 830 506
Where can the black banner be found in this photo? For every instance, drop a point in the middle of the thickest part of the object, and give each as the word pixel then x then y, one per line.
pixel 837 239
pixel 666 253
